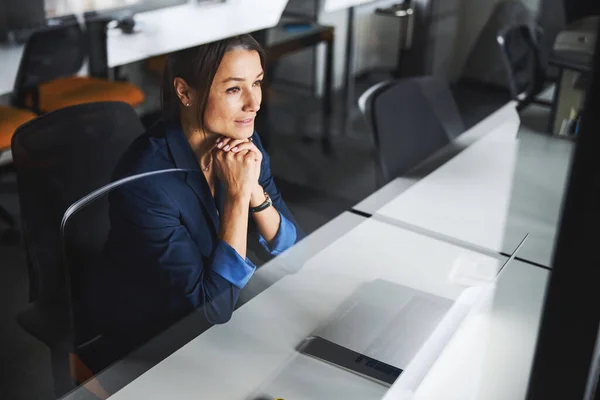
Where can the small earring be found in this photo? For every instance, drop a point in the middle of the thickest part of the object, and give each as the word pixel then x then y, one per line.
pixel 187 104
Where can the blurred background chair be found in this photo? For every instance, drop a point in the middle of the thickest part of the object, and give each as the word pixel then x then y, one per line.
pixel 10 119
pixel 59 158
pixel 521 55
pixel 47 78
pixel 410 120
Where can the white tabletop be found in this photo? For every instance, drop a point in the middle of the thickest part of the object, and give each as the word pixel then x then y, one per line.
pixel 336 5
pixel 490 195
pixel 539 181
pixel 255 349
pixel 466 199
pixel 505 115
pixel 10 57
pixel 170 29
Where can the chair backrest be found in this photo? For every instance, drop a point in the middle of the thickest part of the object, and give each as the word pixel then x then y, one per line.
pixel 411 119
pixel 60 157
pixel 50 53
pixel 96 284
pixel 521 57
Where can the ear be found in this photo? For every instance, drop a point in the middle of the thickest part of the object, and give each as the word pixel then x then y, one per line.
pixel 186 94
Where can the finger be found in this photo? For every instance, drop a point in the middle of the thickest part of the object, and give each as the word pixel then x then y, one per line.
pixel 222 141
pixel 232 143
pixel 245 146
pixel 240 155
pixel 251 155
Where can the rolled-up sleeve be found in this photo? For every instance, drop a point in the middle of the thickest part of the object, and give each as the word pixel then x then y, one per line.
pixel 230 265
pixel 283 240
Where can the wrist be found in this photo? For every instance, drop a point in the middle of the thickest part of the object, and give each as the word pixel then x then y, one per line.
pixel 257 197
pixel 239 196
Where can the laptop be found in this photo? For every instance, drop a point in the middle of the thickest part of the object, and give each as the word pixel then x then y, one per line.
pixel 385 321
pixel 374 333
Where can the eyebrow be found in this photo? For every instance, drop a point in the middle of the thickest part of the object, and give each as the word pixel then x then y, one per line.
pixel 236 79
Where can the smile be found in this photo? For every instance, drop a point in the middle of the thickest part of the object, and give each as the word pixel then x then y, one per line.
pixel 246 121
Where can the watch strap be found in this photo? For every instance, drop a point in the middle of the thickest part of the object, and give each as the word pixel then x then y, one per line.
pixel 266 204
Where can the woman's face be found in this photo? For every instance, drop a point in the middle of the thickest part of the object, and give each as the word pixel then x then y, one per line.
pixel 235 95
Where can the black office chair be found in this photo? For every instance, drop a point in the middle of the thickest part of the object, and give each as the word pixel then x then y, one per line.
pixel 59 158
pixel 410 120
pixel 520 45
pixel 47 77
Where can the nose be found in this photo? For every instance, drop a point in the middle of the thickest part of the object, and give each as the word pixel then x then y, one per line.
pixel 252 101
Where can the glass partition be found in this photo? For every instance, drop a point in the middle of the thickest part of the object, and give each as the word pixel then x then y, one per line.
pixel 373 289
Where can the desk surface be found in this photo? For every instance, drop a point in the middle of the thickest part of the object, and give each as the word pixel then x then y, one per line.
pixel 10 57
pixel 257 345
pixel 395 188
pixel 170 29
pixel 336 5
pixel 489 196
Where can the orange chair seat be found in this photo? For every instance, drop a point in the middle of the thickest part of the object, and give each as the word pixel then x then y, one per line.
pixel 10 119
pixel 64 92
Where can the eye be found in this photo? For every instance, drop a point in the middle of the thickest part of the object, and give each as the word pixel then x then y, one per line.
pixel 233 90
pixel 258 82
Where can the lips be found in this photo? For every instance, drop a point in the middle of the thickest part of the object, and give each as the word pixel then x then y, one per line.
pixel 245 121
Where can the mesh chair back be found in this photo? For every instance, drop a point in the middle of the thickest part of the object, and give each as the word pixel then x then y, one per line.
pixel 98 286
pixel 520 51
pixel 50 53
pixel 59 158
pixel 412 119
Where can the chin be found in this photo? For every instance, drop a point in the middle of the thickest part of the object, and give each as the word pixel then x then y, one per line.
pixel 238 132
pixel 244 133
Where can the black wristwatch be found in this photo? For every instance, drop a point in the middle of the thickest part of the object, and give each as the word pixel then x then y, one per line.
pixel 268 203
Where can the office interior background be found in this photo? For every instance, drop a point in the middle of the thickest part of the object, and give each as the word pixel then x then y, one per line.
pixel 450 126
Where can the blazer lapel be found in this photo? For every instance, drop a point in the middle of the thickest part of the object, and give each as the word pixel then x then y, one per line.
pixel 184 158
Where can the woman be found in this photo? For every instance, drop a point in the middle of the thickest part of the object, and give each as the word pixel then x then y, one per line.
pixel 179 240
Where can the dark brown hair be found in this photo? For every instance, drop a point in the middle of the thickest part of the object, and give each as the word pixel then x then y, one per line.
pixel 198 66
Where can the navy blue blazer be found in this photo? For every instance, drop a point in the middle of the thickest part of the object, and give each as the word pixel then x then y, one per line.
pixel 163 242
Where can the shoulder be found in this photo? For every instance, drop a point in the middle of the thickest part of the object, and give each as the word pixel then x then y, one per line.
pixel 147 153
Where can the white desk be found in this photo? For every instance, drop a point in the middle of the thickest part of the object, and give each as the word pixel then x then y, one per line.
pixel 336 5
pixel 490 195
pixel 170 29
pixel 541 173
pixel 256 348
pixel 466 199
pixel 505 115
pixel 10 57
